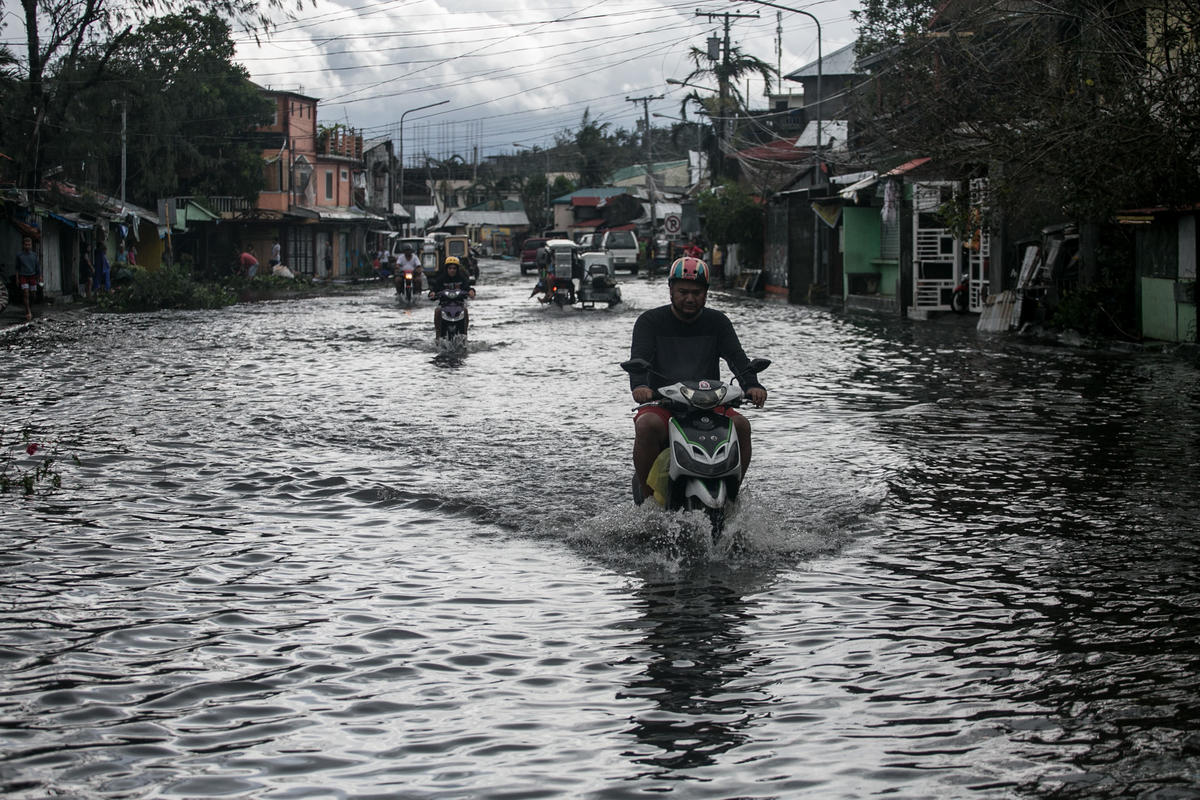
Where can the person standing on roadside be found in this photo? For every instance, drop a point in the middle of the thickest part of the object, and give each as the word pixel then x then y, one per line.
pixel 101 269
pixel 86 271
pixel 29 273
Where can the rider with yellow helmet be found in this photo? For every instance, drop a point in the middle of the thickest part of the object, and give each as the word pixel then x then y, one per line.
pixel 451 276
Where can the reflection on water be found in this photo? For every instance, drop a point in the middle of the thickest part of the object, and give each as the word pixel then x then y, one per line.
pixel 698 673
pixel 307 553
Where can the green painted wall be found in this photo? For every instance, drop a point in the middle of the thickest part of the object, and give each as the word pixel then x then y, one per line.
pixel 889 277
pixel 1162 317
pixel 860 249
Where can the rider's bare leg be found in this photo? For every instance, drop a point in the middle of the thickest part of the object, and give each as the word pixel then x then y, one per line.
pixel 649 439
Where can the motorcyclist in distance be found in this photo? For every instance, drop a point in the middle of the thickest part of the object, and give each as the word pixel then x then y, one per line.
pixel 450 277
pixel 684 341
pixel 411 262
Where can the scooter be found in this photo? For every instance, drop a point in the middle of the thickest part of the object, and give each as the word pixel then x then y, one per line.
pixel 703 460
pixel 960 298
pixel 452 309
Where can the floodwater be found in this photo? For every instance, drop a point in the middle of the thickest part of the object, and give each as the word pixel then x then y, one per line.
pixel 305 554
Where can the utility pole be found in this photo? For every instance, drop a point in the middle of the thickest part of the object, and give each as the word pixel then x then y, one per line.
pixel 124 117
pixel 645 101
pixel 723 82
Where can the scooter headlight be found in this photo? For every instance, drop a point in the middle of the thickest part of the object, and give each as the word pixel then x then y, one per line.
pixel 704 397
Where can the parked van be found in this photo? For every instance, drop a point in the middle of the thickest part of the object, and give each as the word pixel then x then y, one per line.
pixel 623 245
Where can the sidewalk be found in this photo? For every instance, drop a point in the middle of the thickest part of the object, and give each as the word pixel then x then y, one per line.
pixel 14 314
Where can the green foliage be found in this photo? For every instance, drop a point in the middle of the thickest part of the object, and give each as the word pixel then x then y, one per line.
pixel 28 466
pixel 722 106
pixel 731 215
pixel 533 197
pixel 1068 99
pixel 73 49
pixel 167 287
pixel 266 283
pixel 562 185
pixel 594 151
pixel 1103 311
pixel 189 111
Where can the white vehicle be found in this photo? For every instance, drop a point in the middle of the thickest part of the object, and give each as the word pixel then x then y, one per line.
pixel 623 245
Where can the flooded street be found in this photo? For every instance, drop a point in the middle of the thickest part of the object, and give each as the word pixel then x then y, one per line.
pixel 304 554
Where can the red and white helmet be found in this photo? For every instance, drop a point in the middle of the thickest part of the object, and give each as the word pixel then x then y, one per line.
pixel 688 269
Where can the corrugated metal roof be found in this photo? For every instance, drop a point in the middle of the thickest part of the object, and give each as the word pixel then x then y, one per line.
pixel 833 134
pixel 778 150
pixel 505 218
pixel 603 191
pixel 337 214
pixel 840 62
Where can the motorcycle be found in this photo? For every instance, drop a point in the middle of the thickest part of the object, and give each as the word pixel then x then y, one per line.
pixel 405 286
pixel 561 293
pixel 703 459
pixel 452 310
pixel 960 298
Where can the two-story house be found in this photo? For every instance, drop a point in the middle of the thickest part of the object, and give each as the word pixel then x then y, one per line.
pixel 315 186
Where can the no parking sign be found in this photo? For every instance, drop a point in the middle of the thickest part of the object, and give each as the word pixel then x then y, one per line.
pixel 672 224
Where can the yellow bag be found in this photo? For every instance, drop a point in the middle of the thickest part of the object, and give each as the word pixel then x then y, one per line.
pixel 660 477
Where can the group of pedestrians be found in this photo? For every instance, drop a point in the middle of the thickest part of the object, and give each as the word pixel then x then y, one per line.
pixel 95 270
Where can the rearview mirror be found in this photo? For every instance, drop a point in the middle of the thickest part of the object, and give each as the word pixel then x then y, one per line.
pixel 758 364
pixel 635 365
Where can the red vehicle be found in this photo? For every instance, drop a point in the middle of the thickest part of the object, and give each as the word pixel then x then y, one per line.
pixel 529 252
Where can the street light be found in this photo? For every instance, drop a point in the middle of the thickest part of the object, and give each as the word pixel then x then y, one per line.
pixel 817 177
pixel 818 24
pixel 401 148
pixel 675 82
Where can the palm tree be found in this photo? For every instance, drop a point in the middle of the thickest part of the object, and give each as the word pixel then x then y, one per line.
pixel 722 108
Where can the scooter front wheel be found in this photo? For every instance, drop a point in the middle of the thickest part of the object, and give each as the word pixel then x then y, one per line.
pixel 716 516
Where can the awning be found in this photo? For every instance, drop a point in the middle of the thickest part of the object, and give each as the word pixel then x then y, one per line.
pixel 855 188
pixel 335 214
pixel 908 166
pixel 74 220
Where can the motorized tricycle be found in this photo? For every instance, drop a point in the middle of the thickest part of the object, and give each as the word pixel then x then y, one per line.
pixel 599 284
pixel 561 265
pixel 460 248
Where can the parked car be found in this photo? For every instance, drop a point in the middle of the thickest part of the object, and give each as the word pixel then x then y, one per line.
pixel 589 241
pixel 623 245
pixel 529 251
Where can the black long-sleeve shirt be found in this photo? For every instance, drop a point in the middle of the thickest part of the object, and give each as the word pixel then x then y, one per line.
pixel 679 350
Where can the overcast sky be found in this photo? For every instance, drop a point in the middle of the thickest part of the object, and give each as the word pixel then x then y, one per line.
pixel 517 72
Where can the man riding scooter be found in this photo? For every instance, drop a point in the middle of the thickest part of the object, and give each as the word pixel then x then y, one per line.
pixel 684 341
pixel 410 263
